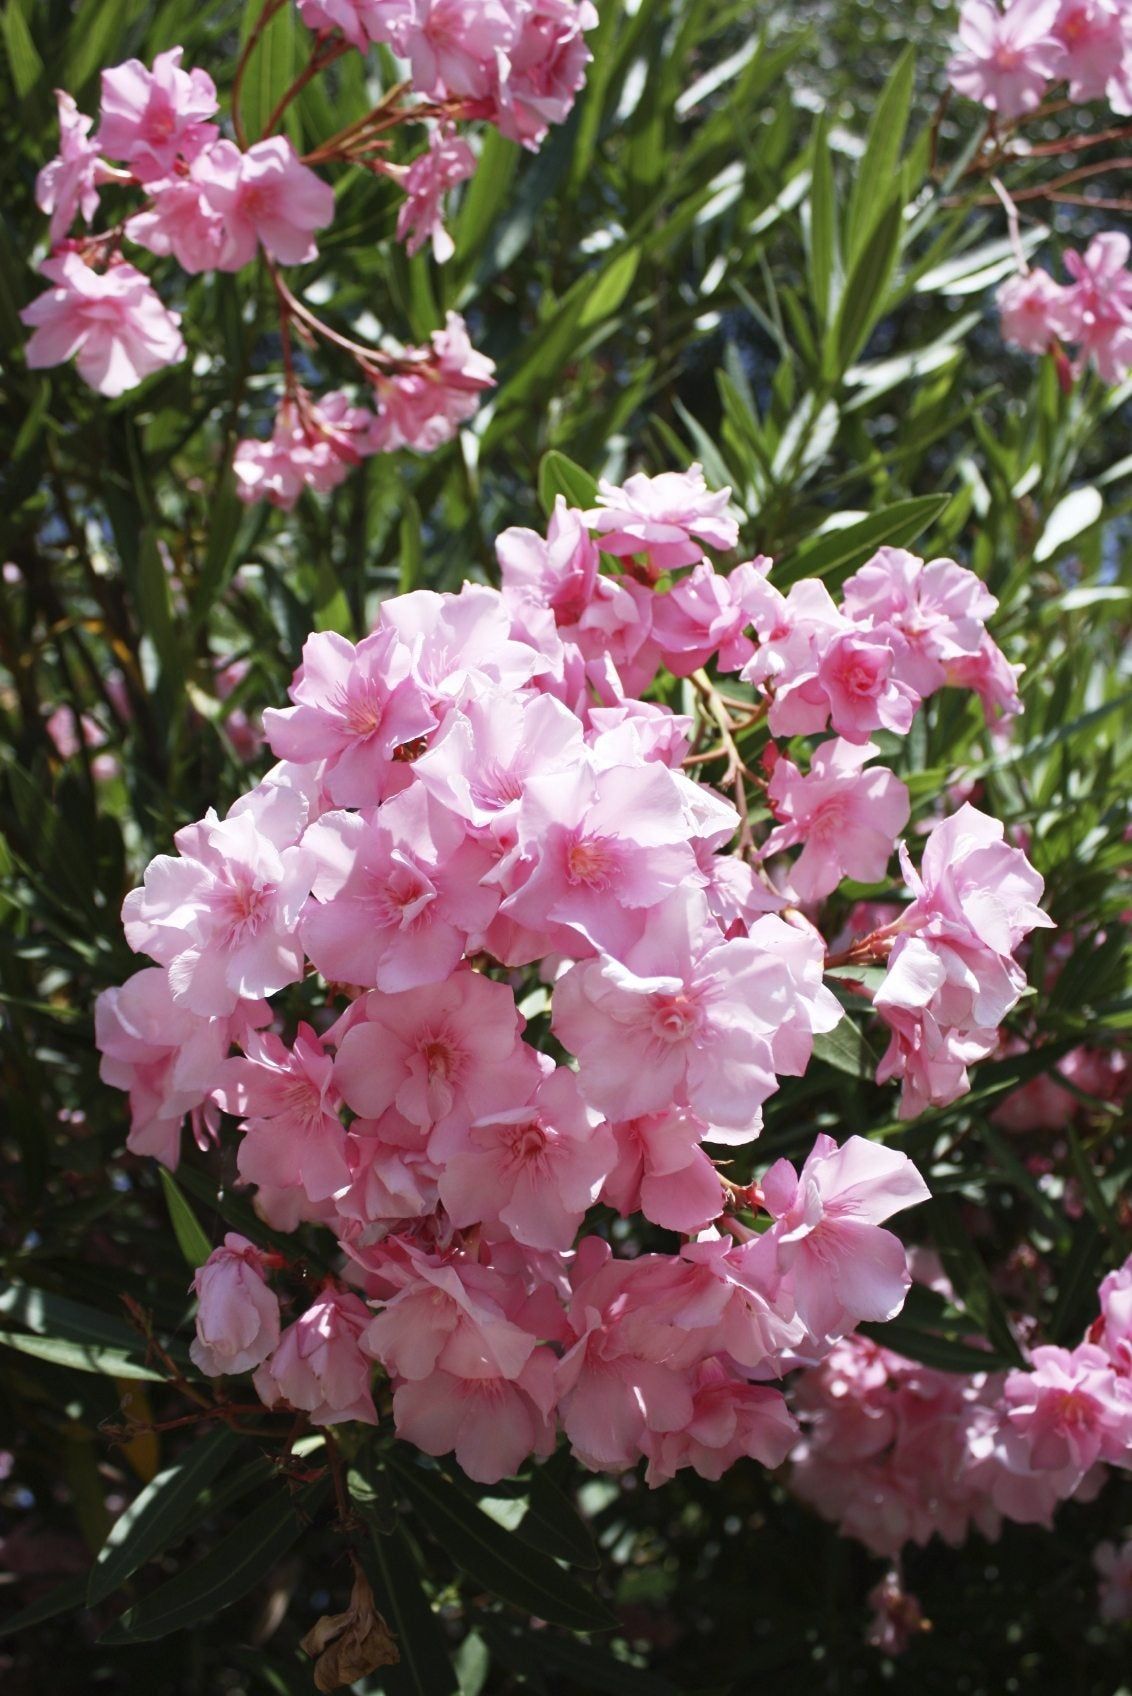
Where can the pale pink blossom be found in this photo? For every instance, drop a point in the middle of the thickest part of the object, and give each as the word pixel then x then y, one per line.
pixel 1006 59
pixel 445 1055
pixel 67 185
pixel 1098 308
pixel 544 69
pixel 1032 310
pixel 237 1314
pixel 847 819
pixel 534 1168
pixel 842 1267
pixel 395 894
pixel 318 1366
pixel 659 516
pixel 1113 1330
pixel 180 221
pixel 491 1424
pixel 266 198
pixel 560 572
pixel 795 631
pixel 1114 1580
pixel 865 693
pixel 479 764
pixel 354 707
pixel 222 913
pixel 360 21
pixel 111 323
pixel 293 1135
pixel 447 161
pixel 663 1172
pixel 706 614
pixel 447 1315
pixel 165 1056
pixel 730 1418
pixel 314 445
pixel 152 118
pixel 688 1019
pixel 462 644
pixel 1094 40
pixel 454 46
pixel 1066 1413
pixel 392 1178
pixel 431 392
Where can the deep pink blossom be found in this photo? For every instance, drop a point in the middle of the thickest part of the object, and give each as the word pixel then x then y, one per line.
pixel 706 614
pixel 1032 310
pixel 152 118
pixel 847 819
pixel 237 1314
pixel 111 323
pixel 1094 40
pixel 1066 1413
pixel 266 198
pixel 293 1135
pixel 663 1172
pixel 1098 309
pixel 312 447
pixel 453 46
pixel 730 1418
pixel 544 69
pixel 432 391
pixel 318 1366
pixel 448 160
pixel 859 677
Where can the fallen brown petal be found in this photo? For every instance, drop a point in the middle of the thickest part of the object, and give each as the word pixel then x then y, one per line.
pixel 350 1644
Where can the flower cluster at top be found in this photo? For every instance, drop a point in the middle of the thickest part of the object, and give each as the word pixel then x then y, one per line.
pixel 533 965
pixel 211 203
pixel 1010 56
pixel 1094 311
pixel 895 1452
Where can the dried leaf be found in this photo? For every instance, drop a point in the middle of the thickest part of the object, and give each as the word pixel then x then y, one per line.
pixel 347 1646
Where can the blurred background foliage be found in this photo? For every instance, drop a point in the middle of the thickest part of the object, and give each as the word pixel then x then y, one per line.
pixel 753 244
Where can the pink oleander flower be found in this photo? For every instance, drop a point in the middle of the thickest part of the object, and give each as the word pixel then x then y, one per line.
pixel 847 819
pixel 952 977
pixel 180 222
pixel 222 913
pixel 67 185
pixel 312 447
pixel 1094 40
pixel 1098 307
pixel 237 1314
pixel 360 21
pixel 659 516
pixel 1113 1330
pixel 1066 1413
pixel 730 1418
pixel 319 1366
pixel 391 1178
pixel 111 323
pixel 859 677
pixel 1032 310
pixel 706 614
pixel 480 763
pixel 422 404
pixel 454 46
pixel 266 198
pixel 545 68
pixel 534 1168
pixel 491 1424
pixel 446 1315
pixel 447 161
pixel 293 1135
pixel 1007 58
pixel 560 572
pixel 396 896
pixel 593 851
pixel 444 1056
pixel 462 644
pixel 842 1267
pixel 165 1056
pixel 1114 1580
pixel 151 119
pixel 353 708
pixel 688 1019
pixel 662 1172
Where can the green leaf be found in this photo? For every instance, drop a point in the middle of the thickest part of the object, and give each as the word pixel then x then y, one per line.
pixel 95 39
pixel 113 1363
pixel 1077 1280
pixel 225 1574
pixel 821 231
pixel 271 65
pixel 424 1668
pixel 192 1239
pixel 23 56
pixel 558 475
pixel 866 289
pixel 612 285
pixel 845 1049
pixel 967 1271
pixel 874 174
pixel 946 1354
pixel 1071 517
pixel 845 548
pixel 50 1315
pixel 510 1569
pixel 552 1524
pixel 159 1515
pixel 66 1598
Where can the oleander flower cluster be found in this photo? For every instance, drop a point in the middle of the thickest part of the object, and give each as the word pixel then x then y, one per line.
pixel 894 1452
pixel 1011 55
pixel 487 959
pixel 1093 312
pixel 210 202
